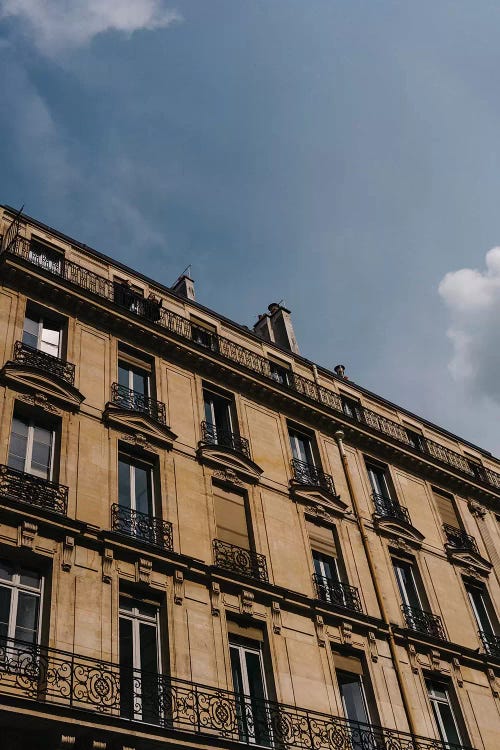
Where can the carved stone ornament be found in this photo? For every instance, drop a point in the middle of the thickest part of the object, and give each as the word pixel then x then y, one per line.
pixel 435 660
pixel 215 598
pixel 39 400
pixel 346 633
pixel 227 475
pixel 107 565
pixel 492 679
pixel 178 586
pixel 27 534
pixel 143 570
pixel 246 602
pixel 276 617
pixel 138 440
pixel 68 551
pixel 372 645
pixel 476 509
pixel 319 624
pixel 457 670
pixel 412 656
pixel 99 745
pixel 66 742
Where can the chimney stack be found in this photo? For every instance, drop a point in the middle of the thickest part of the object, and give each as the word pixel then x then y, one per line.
pixel 276 327
pixel 184 287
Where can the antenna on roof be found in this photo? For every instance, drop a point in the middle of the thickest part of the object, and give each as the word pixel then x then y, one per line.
pixel 186 272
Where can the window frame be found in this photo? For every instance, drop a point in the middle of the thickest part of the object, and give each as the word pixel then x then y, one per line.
pixel 41 319
pixel 32 425
pixel 294 435
pixel 450 701
pixel 487 606
pixel 134 462
pixel 15 586
pixel 397 563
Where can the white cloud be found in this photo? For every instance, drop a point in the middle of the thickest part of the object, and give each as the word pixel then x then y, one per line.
pixel 62 24
pixel 473 300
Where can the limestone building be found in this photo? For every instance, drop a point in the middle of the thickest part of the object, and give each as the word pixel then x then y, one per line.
pixel 207 541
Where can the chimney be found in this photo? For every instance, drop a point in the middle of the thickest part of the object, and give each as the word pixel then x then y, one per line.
pixel 276 327
pixel 184 287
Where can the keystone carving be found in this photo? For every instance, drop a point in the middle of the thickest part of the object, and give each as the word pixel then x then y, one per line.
pixel 138 439
pixel 246 602
pixel 476 509
pixel 143 570
pixel 412 656
pixel 276 617
pixel 107 565
pixel 229 476
pixel 27 534
pixel 346 633
pixel 39 400
pixel 319 624
pixel 457 670
pixel 68 551
pixel 178 586
pixel 372 645
pixel 215 598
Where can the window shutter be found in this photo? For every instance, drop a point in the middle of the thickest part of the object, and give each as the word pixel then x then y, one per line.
pixel 321 539
pixel 249 632
pixel 347 663
pixel 231 519
pixel 446 509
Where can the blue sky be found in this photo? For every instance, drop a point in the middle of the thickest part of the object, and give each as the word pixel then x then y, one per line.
pixel 342 155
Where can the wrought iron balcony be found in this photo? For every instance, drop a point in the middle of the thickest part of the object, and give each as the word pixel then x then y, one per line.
pixel 459 539
pixel 239 560
pixel 141 526
pixel 491 643
pixel 205 338
pixel 26 488
pixel 337 593
pixel 423 622
pixel 212 435
pixel 388 508
pixel 73 274
pixel 54 366
pixel 134 697
pixel 126 398
pixel 305 473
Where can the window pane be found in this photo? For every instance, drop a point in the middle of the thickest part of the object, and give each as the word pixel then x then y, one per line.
pixel 236 670
pixel 6 571
pixel 30 332
pixel 27 617
pixel 406 585
pixel 41 453
pixel 5 597
pixel 30 578
pixel 123 375
pixel 51 335
pixel 149 669
pixel 449 731
pixel 478 602
pixel 352 696
pixel 143 490
pixel 124 483
pixel 140 382
pixel 127 683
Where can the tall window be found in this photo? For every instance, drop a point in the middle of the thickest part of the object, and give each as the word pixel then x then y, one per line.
pixel 31 447
pixel 247 667
pixel 136 485
pixel 408 584
pixel 204 334
pixel 218 416
pixel 139 660
pixel 326 563
pixel 352 408
pixel 444 714
pixel 302 446
pixel 280 372
pixel 231 517
pixel 483 612
pixel 356 698
pixel 379 480
pixel 20 592
pixel 46 257
pixel 134 377
pixel 446 508
pixel 42 332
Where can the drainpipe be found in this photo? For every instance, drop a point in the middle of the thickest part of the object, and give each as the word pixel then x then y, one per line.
pixel 339 437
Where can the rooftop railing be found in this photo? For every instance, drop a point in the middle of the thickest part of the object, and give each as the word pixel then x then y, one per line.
pixel 423 622
pixel 213 435
pixel 459 539
pixel 104 288
pixel 131 400
pixel 337 593
pixel 60 679
pixel 246 562
pixel 141 526
pixel 386 507
pixel 26 488
pixel 54 366
pixel 305 473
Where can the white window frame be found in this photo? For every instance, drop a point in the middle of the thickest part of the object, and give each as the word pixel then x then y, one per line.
pixel 131 368
pixel 397 564
pixel 211 395
pixel 433 699
pixel 322 565
pixel 39 341
pixel 363 697
pixel 132 467
pixel 16 586
pixel 242 649
pixel 481 593
pixel 294 436
pixel 373 472
pixel 29 449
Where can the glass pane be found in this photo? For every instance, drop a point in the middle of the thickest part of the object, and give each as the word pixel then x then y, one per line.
pixel 147 610
pixel 27 617
pixel 51 335
pixel 30 332
pixel 140 382
pixel 5 597
pixel 258 706
pixel 407 586
pixel 446 723
pixel 143 499
pixel 221 414
pixel 41 452
pixel 236 670
pixel 6 571
pixel 126 668
pixel 123 375
pixel 149 669
pixel 480 610
pixel 124 483
pixel 352 696
pixel 209 415
pixel 30 578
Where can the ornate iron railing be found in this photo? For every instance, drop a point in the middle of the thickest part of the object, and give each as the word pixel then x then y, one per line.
pixel 459 538
pixel 149 529
pixel 388 508
pixel 337 593
pixel 212 435
pixel 423 622
pixel 491 643
pixel 152 311
pixel 26 488
pixel 305 473
pixel 126 398
pixel 63 679
pixel 31 357
pixel 239 560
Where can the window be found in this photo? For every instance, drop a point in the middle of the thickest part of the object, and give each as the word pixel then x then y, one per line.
pixel 478 470
pixel 281 372
pixel 46 257
pixel 446 508
pixel 302 447
pixel 139 660
pixel 136 485
pixel 484 614
pixel 407 584
pixel 134 377
pixel 31 447
pixel 20 592
pixel 415 605
pixel 356 699
pixel 42 332
pixel 380 481
pixel 249 684
pixel 218 417
pixel 442 708
pixel 416 439
pixel 204 334
pixel 325 558
pixel 352 408
pixel 231 518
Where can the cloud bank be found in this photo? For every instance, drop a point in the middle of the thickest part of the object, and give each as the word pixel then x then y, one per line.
pixel 473 300
pixel 55 25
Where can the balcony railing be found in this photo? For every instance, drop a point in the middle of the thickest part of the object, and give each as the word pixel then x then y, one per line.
pixel 337 593
pixel 31 357
pixel 96 285
pixel 212 435
pixel 66 680
pixel 305 473
pixel 26 488
pixel 126 398
pixel 124 296
pixel 141 526
pixel 459 539
pixel 239 560
pixel 423 622
pixel 491 643
pixel 388 508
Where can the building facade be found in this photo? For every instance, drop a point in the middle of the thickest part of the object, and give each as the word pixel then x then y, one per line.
pixel 207 541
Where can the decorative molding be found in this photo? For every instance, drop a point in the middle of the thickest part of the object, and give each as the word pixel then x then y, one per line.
pixel 346 633
pixel 476 509
pixel 143 570
pixel 27 534
pixel 402 535
pixel 276 617
pixel 68 552
pixel 372 645
pixel 138 440
pixel 138 428
pixel 318 503
pixel 107 565
pixel 226 460
pixel 66 741
pixel 178 586
pixel 457 670
pixel 492 679
pixel 319 624
pixel 435 660
pixel 215 598
pixel 246 602
pixel 99 745
pixel 228 476
pixel 39 400
pixel 412 656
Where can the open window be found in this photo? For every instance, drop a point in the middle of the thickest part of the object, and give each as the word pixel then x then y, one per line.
pixel 485 616
pixel 43 330
pixel 357 700
pixel 204 334
pixel 414 601
pixel 329 571
pixel 446 713
pixel 281 371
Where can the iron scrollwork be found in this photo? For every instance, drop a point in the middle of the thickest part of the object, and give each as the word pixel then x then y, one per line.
pixel 389 508
pixel 240 560
pixel 337 593
pixel 26 488
pixel 423 622
pixel 126 398
pixel 31 357
pixel 213 435
pixel 305 473
pixel 149 529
